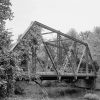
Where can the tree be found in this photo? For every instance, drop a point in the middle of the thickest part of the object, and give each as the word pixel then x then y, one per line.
pixel 84 36
pixel 6 58
pixel 96 31
pixel 5 14
pixel 5 35
pixel 92 39
pixel 96 44
pixel 72 32
pixel 5 11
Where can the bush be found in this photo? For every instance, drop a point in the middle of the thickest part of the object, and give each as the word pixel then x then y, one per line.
pixel 18 90
pixel 3 90
pixel 91 96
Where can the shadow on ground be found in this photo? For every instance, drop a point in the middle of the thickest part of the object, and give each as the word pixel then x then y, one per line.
pixel 34 92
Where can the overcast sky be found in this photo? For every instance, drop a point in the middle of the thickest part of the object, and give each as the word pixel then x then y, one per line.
pixel 59 14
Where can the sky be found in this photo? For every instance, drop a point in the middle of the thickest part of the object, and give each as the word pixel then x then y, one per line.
pixel 62 15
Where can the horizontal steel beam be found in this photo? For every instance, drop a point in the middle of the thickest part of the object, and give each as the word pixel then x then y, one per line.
pixel 63 40
pixel 47 33
pixel 54 45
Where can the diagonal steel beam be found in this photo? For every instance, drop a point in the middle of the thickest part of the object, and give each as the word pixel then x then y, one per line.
pixel 68 58
pixel 48 52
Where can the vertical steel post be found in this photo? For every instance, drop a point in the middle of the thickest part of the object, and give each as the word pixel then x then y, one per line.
pixel 87 61
pixel 33 48
pixel 59 50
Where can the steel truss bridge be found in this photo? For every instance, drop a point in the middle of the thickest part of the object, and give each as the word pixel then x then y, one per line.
pixel 66 58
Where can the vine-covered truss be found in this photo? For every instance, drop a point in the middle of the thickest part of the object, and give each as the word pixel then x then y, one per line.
pixel 62 56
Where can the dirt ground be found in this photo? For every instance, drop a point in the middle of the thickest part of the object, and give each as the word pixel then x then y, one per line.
pixel 34 92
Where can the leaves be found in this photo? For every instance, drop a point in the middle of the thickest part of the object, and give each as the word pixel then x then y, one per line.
pixel 5 10
pixel 93 41
pixel 5 35
pixel 72 32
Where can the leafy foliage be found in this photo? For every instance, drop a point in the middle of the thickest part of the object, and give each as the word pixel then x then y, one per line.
pixel 5 11
pixel 5 14
pixel 26 46
pixel 6 58
pixel 92 39
pixel 72 32
pixel 5 36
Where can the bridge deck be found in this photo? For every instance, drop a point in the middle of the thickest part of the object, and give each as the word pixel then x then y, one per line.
pixel 64 74
pixel 51 76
